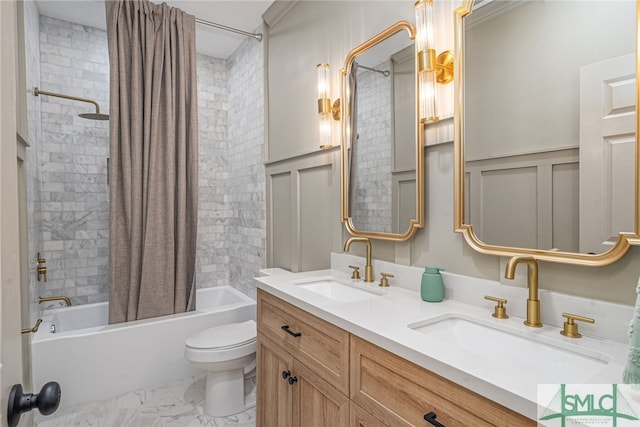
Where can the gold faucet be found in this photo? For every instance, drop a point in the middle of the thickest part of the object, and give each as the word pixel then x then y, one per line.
pixel 368 271
pixel 533 303
pixel 56 298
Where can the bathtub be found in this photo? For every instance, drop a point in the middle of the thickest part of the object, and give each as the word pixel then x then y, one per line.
pixel 94 361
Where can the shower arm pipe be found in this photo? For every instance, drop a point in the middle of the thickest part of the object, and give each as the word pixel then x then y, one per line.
pixel 257 36
pixel 375 70
pixel 38 92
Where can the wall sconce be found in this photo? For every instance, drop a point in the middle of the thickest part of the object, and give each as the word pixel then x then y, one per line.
pixel 431 70
pixel 326 111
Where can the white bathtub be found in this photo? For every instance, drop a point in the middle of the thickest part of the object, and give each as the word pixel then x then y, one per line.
pixel 94 361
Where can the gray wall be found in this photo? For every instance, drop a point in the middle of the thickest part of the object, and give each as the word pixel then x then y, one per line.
pixel 314 32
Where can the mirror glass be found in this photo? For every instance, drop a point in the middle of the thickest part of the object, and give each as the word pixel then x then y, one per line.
pixel 549 123
pixel 381 123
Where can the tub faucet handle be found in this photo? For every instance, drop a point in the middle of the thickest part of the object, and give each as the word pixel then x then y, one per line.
pixel 40 268
pixel 42 271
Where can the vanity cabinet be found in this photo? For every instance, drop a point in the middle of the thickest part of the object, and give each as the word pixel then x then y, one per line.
pixel 400 393
pixel 312 373
pixel 303 368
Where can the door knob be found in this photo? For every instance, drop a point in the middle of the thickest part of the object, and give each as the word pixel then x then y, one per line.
pixel 46 401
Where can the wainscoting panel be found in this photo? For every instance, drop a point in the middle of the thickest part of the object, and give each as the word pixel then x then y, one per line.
pixel 526 201
pixel 279 220
pixel 303 211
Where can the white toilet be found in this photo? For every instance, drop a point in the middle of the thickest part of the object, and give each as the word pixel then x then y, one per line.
pixel 228 354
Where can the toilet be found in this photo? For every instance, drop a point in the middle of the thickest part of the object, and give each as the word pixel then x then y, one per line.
pixel 228 354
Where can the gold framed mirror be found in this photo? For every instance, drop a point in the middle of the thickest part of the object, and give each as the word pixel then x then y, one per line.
pixel 382 149
pixel 545 149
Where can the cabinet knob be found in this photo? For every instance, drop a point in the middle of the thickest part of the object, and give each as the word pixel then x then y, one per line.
pixel 356 272
pixel 431 419
pixel 286 374
pixel 292 380
pixel 500 311
pixel 570 327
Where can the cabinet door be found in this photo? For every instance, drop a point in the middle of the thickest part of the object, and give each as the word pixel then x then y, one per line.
pixel 315 402
pixel 320 345
pixel 274 393
pixel 361 418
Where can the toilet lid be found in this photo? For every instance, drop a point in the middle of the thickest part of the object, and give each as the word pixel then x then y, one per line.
pixel 224 336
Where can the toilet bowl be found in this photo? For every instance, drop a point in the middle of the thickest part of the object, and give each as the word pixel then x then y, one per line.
pixel 228 354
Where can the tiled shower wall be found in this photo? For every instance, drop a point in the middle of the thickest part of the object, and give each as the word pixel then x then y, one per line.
pixel 73 161
pixel 72 165
pixel 247 200
pixel 212 267
pixel 34 183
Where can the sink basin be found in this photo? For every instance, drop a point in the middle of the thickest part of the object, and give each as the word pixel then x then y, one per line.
pixel 338 290
pixel 509 351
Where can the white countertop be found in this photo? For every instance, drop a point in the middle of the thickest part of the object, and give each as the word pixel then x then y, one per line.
pixel 383 320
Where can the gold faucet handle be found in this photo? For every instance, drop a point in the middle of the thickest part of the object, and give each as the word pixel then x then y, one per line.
pixel 356 272
pixel 500 311
pixel 42 271
pixel 40 260
pixel 384 281
pixel 570 327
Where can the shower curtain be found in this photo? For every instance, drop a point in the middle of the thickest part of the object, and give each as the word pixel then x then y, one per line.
pixel 153 159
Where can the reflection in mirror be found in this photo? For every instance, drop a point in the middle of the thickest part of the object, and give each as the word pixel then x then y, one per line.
pixel 384 131
pixel 544 168
pixel 380 131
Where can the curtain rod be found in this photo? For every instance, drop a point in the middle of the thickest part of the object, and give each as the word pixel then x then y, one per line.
pixel 257 36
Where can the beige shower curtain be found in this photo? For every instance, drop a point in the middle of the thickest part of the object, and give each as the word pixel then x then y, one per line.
pixel 153 159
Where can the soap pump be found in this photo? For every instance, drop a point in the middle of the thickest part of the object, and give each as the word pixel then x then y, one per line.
pixel 432 287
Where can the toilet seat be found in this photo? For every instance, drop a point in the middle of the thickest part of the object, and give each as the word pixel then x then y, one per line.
pixel 222 343
pixel 225 336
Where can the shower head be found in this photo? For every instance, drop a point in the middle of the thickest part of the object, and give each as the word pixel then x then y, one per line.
pixel 91 116
pixel 94 116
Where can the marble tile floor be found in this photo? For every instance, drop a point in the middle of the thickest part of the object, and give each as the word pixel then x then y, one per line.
pixel 175 404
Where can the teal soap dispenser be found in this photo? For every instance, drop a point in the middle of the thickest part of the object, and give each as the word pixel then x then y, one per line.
pixel 432 287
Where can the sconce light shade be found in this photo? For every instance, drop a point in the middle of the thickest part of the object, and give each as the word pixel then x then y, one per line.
pixel 325 110
pixel 426 58
pixel 324 103
pixel 325 131
pixel 425 36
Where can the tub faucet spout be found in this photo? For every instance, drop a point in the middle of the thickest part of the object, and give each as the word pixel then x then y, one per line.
pixel 56 298
pixel 368 272
pixel 533 303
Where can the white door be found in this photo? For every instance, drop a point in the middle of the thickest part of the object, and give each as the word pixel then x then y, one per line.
pixel 607 152
pixel 10 321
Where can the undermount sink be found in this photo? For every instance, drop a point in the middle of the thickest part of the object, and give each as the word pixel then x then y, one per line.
pixel 338 290
pixel 510 351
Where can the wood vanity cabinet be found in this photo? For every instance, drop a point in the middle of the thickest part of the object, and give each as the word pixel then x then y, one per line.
pixel 326 377
pixel 400 393
pixel 303 368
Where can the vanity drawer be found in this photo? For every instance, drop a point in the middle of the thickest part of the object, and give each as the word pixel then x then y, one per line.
pixel 400 393
pixel 321 346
